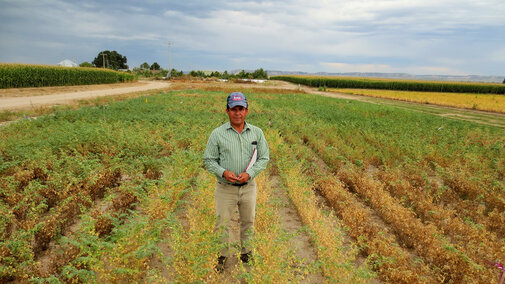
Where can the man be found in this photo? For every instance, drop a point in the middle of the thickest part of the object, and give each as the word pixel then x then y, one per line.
pixel 229 156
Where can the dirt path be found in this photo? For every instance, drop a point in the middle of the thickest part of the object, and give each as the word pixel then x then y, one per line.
pixel 292 223
pixel 16 99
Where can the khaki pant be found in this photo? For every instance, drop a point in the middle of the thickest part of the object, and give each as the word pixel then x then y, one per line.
pixel 228 198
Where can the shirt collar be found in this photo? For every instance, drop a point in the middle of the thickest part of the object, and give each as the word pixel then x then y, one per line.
pixel 246 126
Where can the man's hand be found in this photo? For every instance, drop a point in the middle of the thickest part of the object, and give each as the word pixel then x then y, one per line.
pixel 230 176
pixel 243 177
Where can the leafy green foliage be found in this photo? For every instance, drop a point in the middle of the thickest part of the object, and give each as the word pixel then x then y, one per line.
pixel 257 74
pixel 85 64
pixel 110 59
pixel 155 66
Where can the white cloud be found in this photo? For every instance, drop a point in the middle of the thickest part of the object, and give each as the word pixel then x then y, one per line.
pixel 428 36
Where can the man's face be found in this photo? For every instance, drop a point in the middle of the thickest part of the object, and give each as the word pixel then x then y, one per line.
pixel 237 115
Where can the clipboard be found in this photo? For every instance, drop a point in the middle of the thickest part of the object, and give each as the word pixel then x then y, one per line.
pixel 253 159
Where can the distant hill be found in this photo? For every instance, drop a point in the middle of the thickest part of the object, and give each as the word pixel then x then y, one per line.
pixel 465 78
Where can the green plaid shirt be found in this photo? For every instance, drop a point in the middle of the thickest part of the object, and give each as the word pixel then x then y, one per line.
pixel 229 150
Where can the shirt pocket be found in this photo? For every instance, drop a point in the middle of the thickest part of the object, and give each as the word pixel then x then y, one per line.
pixel 249 144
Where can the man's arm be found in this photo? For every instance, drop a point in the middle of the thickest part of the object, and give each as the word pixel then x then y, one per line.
pixel 211 156
pixel 262 159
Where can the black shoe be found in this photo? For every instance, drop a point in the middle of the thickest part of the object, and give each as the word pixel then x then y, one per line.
pixel 246 257
pixel 220 264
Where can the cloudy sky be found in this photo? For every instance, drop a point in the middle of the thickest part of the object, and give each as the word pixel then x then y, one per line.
pixel 451 37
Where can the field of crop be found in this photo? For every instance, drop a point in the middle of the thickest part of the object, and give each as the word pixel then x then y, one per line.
pixel 28 75
pixel 393 84
pixel 485 102
pixel 118 192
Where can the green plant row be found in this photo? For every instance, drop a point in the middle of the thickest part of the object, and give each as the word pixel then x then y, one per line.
pixel 25 75
pixel 402 85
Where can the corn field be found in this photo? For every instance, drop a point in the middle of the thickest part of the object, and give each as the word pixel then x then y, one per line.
pixel 24 75
pixel 390 84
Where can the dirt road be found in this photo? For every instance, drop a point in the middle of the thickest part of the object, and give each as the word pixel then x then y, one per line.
pixel 16 99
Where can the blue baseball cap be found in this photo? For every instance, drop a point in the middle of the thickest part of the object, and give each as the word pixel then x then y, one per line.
pixel 236 99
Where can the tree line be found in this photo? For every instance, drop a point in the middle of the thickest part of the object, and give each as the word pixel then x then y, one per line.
pixel 115 61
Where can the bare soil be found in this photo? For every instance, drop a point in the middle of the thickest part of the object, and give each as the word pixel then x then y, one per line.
pixel 42 91
pixel 27 98
pixel 292 223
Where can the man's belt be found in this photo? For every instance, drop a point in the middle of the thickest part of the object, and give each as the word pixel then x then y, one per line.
pixel 238 184
pixel 234 184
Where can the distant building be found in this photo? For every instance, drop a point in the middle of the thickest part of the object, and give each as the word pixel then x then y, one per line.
pixel 67 63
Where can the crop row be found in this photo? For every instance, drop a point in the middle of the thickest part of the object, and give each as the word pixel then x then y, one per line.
pixel 59 167
pixel 24 75
pixel 414 172
pixel 337 259
pixel 445 259
pixel 392 262
pixel 403 85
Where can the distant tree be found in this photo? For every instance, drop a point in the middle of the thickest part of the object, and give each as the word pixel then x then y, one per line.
pixel 113 60
pixel 242 74
pixel 260 74
pixel 162 72
pixel 503 81
pixel 175 73
pixel 145 65
pixel 155 66
pixel 85 64
pixel 225 75
pixel 198 73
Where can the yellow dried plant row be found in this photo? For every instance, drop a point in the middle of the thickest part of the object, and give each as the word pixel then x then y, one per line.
pixel 337 258
pixel 429 242
pixel 485 102
pixel 276 260
pixel 196 247
pixel 423 238
pixel 392 262
pixel 478 243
